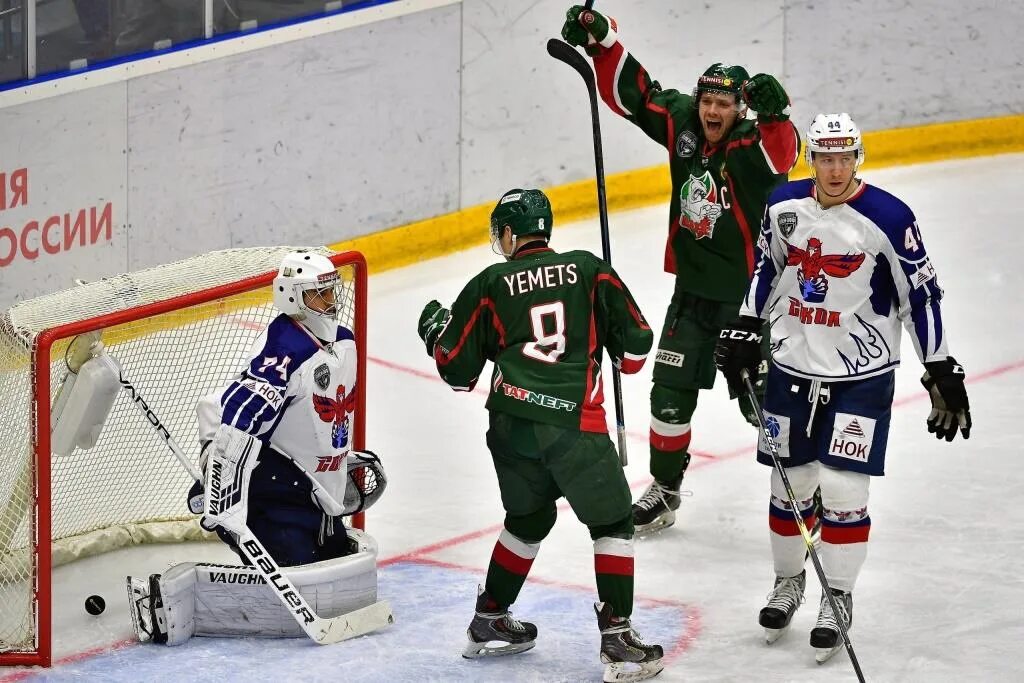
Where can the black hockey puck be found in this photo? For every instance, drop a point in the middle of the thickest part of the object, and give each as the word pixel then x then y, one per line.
pixel 95 605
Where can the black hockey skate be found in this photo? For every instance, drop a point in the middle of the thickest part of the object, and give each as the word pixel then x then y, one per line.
pixel 625 655
pixel 825 636
pixel 783 602
pixel 656 508
pixel 147 609
pixel 494 632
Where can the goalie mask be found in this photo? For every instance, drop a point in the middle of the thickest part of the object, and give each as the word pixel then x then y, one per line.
pixel 308 289
pixel 525 212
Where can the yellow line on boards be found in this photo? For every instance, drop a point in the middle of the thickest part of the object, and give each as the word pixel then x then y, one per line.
pixel 419 241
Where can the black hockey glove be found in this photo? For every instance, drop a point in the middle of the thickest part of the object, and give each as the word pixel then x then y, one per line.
pixel 764 94
pixel 433 320
pixel 738 349
pixel 944 380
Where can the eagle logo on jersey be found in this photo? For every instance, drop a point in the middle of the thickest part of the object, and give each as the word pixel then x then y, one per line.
pixel 698 203
pixel 336 411
pixel 813 266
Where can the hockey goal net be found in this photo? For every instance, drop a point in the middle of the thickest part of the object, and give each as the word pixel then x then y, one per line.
pixel 179 332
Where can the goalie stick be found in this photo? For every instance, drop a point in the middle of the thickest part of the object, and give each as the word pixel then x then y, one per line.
pixel 323 631
pixel 564 52
pixel 773 451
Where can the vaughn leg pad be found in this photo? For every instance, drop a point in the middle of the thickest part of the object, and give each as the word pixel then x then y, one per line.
pixel 228 600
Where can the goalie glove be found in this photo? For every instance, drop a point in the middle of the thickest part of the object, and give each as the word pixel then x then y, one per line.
pixel 367 481
pixel 944 380
pixel 233 456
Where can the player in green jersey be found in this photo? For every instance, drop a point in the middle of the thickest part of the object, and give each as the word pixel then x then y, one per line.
pixel 723 168
pixel 544 319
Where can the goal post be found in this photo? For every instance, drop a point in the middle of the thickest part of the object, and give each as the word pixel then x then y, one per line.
pixel 180 331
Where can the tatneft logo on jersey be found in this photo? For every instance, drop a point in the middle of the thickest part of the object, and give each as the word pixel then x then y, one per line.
pixel 852 436
pixel 812 268
pixel 336 410
pixel 698 205
pixel 536 398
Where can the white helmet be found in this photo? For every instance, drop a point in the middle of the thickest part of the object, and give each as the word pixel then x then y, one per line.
pixel 301 272
pixel 834 133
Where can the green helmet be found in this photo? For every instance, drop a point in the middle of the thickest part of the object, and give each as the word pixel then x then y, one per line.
pixel 527 212
pixel 722 78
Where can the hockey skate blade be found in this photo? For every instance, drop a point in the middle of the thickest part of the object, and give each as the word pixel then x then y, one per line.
pixel 823 654
pixel 773 634
pixel 357 623
pixel 620 672
pixel 475 650
pixel 663 522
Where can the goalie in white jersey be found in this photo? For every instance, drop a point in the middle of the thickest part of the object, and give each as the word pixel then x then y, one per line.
pixel 278 460
pixel 842 269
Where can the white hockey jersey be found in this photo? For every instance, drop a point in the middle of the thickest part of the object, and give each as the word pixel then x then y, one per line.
pixel 297 395
pixel 838 283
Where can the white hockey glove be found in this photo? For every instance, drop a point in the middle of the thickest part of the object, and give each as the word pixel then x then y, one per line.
pixel 233 456
pixel 367 481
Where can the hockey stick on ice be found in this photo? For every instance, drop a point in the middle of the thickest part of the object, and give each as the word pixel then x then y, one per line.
pixel 321 630
pixel 773 450
pixel 564 52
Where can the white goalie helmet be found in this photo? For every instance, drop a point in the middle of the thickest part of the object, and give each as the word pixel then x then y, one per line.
pixel 834 133
pixel 303 272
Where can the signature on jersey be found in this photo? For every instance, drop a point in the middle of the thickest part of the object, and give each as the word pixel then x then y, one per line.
pixel 870 345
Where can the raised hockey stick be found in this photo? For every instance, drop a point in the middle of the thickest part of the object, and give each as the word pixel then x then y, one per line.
pixel 773 450
pixel 321 630
pixel 564 52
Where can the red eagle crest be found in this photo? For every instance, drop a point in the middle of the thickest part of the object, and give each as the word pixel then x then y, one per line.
pixel 334 409
pixel 812 262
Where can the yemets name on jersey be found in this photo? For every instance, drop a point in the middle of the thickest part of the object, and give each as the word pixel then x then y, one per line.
pixel 838 283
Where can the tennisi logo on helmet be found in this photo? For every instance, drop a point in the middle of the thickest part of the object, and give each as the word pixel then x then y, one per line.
pixel 839 143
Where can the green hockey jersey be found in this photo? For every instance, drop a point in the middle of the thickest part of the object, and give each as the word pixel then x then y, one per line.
pixel 544 319
pixel 718 192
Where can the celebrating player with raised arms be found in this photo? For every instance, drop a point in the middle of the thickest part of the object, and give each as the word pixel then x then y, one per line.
pixel 545 320
pixel 277 454
pixel 723 167
pixel 843 268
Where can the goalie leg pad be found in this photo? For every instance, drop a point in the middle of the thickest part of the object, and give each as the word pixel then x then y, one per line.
pixel 145 604
pixel 229 600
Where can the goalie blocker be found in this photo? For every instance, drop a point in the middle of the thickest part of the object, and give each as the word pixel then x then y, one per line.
pixel 201 599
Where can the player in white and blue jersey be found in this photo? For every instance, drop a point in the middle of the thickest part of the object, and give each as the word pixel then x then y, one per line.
pixel 842 269
pixel 279 464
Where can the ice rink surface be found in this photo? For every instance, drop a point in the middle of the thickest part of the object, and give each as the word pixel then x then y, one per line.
pixel 940 598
